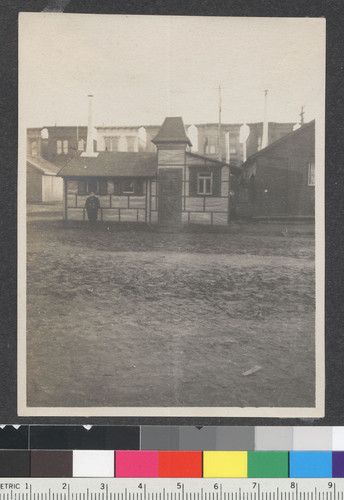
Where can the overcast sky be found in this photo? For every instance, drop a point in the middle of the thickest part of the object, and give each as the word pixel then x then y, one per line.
pixel 143 68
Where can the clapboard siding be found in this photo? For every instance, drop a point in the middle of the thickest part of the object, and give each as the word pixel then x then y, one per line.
pixel 216 204
pixel 171 157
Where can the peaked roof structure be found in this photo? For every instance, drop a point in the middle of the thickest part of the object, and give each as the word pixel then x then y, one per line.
pixel 285 138
pixel 111 164
pixel 172 130
pixel 233 168
pixel 44 166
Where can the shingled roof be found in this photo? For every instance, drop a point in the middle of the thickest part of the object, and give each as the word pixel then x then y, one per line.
pixel 172 130
pixel 112 164
pixel 44 166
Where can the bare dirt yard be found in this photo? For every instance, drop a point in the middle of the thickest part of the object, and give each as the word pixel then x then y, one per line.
pixel 125 316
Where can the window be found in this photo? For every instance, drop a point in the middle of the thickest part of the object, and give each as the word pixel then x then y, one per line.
pixel 311 174
pixel 131 187
pixel 81 145
pixel 210 145
pixel 205 183
pixel 128 187
pixel 81 188
pixel 111 187
pixel 72 187
pixel 92 186
pixel 233 149
pixel 34 150
pixel 111 143
pixel 103 188
pixel 62 147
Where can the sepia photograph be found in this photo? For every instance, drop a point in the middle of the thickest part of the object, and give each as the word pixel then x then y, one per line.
pixel 171 216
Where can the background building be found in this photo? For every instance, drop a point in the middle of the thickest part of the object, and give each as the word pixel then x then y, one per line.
pixel 275 132
pixel 56 144
pixel 279 180
pixel 42 185
pixel 54 147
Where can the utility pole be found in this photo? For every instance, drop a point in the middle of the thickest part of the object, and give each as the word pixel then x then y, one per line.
pixel 219 152
pixel 302 114
pixel 265 138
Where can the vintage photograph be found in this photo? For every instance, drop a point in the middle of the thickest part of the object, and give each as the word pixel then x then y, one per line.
pixel 171 216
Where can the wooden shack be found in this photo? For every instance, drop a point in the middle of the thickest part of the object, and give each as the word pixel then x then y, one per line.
pixel 279 180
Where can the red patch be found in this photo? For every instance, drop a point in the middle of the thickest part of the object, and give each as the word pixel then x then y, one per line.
pixel 180 464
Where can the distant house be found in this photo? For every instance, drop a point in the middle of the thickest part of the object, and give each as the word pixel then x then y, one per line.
pixel 56 144
pixel 42 184
pixel 279 180
pixel 169 187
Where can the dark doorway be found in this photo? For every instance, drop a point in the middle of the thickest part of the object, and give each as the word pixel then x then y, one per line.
pixel 170 197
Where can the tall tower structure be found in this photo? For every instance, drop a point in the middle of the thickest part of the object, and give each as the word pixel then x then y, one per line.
pixel 171 142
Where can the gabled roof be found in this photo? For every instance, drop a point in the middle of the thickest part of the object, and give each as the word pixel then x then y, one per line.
pixel 44 166
pixel 233 168
pixel 281 140
pixel 112 164
pixel 172 130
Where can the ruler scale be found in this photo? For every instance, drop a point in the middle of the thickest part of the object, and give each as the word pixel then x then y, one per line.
pixel 176 488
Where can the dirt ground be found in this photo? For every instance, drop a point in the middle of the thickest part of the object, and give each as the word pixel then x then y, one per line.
pixel 123 316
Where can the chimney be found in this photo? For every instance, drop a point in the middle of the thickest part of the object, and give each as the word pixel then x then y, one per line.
pixel 89 143
pixel 244 133
pixel 265 140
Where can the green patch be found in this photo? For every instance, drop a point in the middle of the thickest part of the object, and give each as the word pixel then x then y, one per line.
pixel 267 464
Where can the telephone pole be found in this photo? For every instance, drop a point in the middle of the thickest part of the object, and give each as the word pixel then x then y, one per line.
pixel 265 138
pixel 219 152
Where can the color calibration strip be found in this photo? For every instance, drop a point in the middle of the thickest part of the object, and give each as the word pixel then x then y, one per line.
pixel 170 464
pixel 172 438
pixel 171 451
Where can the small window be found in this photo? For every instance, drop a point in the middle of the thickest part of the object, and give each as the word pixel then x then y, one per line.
pixel 34 149
pixel 205 183
pixel 62 147
pixel 81 188
pixel 92 186
pixel 72 187
pixel 211 145
pixel 103 185
pixel 81 145
pixel 110 187
pixel 311 174
pixel 111 143
pixel 206 145
pixel 128 187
